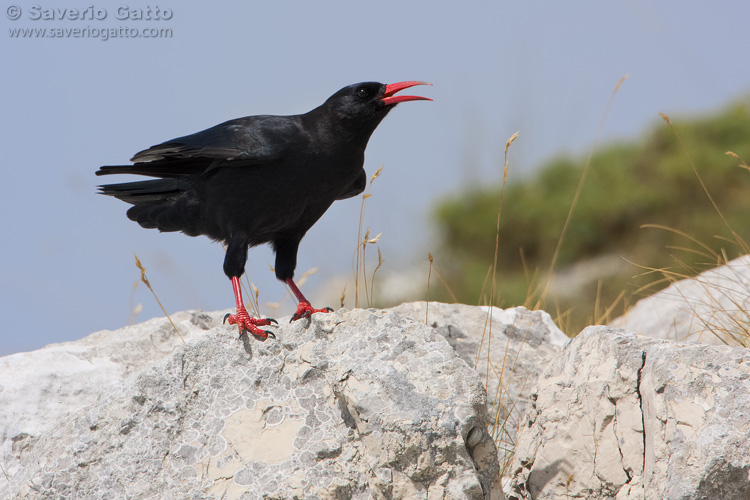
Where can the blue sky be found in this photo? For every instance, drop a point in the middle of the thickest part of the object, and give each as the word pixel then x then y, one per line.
pixel 545 69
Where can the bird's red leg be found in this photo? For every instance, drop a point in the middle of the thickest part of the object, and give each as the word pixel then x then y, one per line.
pixel 243 320
pixel 304 309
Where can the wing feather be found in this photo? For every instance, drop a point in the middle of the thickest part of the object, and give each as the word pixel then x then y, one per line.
pixel 236 143
pixel 258 138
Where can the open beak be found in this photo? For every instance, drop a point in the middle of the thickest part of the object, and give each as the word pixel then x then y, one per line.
pixel 389 98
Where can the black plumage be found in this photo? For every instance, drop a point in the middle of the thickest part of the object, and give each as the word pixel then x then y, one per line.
pixel 259 179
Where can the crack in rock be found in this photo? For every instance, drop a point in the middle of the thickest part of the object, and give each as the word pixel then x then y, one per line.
pixel 639 378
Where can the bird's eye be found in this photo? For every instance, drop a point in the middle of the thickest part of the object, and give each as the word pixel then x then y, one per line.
pixel 363 93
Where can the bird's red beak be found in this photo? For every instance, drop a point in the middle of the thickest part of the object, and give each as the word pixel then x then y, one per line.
pixel 389 98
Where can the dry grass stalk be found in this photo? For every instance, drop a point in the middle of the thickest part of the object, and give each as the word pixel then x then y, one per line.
pixel 730 326
pixel 725 310
pixel 251 291
pixel 306 275
pixel 548 279
pixel 742 163
pixel 145 281
pixel 365 242
pixel 718 211
pixel 493 283
pixel 444 282
pixel 427 304
pixel 372 281
pixel 359 268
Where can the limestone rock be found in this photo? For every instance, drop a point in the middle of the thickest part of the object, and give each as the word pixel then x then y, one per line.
pixel 619 416
pixel 353 404
pixel 39 389
pixel 712 308
pixel 509 361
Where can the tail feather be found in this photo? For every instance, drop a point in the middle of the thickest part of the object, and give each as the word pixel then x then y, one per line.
pixel 143 191
pixel 173 168
pixel 157 204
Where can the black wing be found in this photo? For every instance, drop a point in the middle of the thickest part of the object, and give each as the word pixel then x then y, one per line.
pixel 241 142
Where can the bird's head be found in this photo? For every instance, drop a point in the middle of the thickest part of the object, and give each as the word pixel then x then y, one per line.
pixel 369 102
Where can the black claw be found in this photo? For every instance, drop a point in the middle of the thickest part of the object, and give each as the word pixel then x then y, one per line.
pixel 271 320
pixel 329 309
pixel 225 318
pixel 296 316
pixel 262 338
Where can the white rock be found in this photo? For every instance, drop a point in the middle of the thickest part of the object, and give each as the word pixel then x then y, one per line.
pixel 40 388
pixel 360 404
pixel 628 417
pixel 509 355
pixel 712 308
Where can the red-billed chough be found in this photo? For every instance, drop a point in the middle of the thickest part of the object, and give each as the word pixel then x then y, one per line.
pixel 259 179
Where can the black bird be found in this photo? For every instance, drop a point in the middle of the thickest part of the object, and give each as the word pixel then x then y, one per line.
pixel 259 179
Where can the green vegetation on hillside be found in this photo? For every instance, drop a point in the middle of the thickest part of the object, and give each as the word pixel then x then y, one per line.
pixel 628 185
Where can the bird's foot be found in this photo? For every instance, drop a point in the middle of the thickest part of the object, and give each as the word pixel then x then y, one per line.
pixel 245 323
pixel 305 310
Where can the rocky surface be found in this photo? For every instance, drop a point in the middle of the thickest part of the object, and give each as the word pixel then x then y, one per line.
pixel 509 353
pixel 39 389
pixel 712 308
pixel 618 416
pixel 376 404
pixel 353 404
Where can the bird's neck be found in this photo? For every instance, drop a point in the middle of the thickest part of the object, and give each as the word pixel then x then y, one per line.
pixel 339 132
